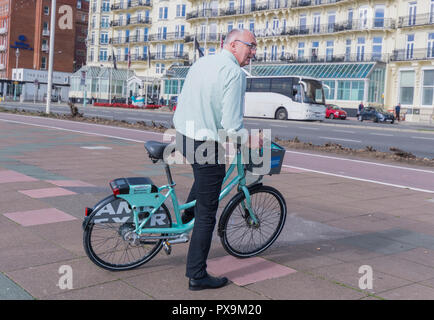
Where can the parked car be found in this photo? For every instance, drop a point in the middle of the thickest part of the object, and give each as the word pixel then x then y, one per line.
pixel 376 115
pixel 333 111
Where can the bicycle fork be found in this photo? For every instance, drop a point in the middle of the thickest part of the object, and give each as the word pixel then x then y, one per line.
pixel 249 214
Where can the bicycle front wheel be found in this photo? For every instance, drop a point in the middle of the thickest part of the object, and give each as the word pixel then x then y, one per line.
pixel 239 235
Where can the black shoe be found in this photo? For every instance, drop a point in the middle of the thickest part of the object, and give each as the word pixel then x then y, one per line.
pixel 186 217
pixel 208 282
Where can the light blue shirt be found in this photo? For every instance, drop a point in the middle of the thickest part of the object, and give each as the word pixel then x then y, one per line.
pixel 212 98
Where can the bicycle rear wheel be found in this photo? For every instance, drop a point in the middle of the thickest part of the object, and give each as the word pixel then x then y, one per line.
pixel 239 235
pixel 111 245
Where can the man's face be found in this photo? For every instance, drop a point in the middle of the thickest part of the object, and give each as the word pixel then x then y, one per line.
pixel 244 48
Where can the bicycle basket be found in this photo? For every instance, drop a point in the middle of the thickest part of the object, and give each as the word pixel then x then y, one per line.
pixel 277 154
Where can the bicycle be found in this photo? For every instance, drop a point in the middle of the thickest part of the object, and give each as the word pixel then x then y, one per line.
pixel 127 229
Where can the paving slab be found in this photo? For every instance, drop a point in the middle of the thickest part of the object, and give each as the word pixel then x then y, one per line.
pixel 319 252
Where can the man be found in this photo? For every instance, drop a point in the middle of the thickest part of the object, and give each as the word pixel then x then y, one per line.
pixel 397 110
pixel 360 109
pixel 211 99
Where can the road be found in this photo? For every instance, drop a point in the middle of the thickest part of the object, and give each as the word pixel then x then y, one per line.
pixel 418 140
pixel 418 179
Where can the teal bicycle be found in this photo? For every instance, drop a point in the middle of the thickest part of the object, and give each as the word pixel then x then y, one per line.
pixel 129 227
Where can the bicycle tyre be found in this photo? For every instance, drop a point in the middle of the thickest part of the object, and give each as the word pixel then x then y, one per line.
pixel 101 256
pixel 234 227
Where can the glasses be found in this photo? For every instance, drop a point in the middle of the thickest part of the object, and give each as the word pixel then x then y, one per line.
pixel 252 46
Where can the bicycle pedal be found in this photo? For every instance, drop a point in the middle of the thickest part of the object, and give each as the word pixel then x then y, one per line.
pixel 167 247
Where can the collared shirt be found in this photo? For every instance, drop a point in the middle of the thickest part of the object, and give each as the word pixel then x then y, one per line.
pixel 212 98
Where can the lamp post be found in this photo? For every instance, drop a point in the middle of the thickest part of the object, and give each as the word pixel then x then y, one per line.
pixel 51 55
pixel 17 55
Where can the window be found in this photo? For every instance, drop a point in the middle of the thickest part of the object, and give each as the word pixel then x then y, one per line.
pixel 240 24
pixel 302 22
pixel 379 16
pixel 104 38
pixel 105 6
pixel 428 88
pixel 103 54
pixel 180 10
pixel 230 26
pixel 431 17
pixel 105 22
pixel 350 17
pixel 329 50
pixel 360 49
pixel 273 52
pixel 314 50
pixel 409 47
pixel 350 90
pixel 363 17
pixel 376 48
pixel 162 14
pixel 283 86
pixel 430 47
pixel 331 21
pixel 252 25
pixel 300 53
pixel 412 13
pixel 406 87
pixel 329 93
pixel 260 85
pixel 78 4
pixel 46 10
pixel 44 63
pixel 347 49
pixel 316 22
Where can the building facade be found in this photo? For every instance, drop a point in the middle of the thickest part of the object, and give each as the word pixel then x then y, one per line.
pixel 331 39
pixel 25 35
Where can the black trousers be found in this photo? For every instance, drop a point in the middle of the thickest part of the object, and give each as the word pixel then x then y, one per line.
pixel 208 179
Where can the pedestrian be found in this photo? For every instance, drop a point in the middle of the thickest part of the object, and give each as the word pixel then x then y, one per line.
pixel 162 101
pixel 359 110
pixel 397 110
pixel 211 99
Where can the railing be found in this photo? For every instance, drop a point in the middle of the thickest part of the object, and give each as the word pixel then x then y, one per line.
pixel 131 21
pixel 167 36
pixel 248 8
pixel 354 25
pixel 306 3
pixel 416 20
pixel 293 58
pixel 414 54
pixel 169 56
pixel 202 37
pixel 45 32
pixel 130 4
pixel 130 39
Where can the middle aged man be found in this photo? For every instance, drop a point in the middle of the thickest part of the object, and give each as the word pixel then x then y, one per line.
pixel 211 99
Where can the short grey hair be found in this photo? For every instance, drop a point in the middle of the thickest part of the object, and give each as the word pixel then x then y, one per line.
pixel 233 34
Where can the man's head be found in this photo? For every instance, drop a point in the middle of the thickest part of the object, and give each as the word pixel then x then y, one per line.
pixel 242 44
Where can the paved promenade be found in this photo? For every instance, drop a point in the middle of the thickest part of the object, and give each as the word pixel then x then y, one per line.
pixel 343 239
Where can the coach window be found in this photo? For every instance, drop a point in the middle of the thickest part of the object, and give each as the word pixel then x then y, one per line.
pixel 260 85
pixel 283 86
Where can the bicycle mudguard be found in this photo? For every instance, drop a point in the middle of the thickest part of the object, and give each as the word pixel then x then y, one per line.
pixel 235 198
pixel 97 207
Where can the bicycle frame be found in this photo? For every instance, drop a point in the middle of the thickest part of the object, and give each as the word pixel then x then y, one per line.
pixel 179 227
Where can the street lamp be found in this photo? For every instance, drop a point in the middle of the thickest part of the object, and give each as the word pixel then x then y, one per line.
pixel 17 55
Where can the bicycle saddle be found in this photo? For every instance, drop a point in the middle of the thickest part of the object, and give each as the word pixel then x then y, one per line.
pixel 155 149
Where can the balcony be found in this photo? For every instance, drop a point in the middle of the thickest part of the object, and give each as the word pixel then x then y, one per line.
pixel 45 48
pixel 416 20
pixel 130 39
pixel 411 55
pixel 170 36
pixel 169 56
pixel 131 22
pixel 46 33
pixel 209 37
pixel 3 30
pixel 2 66
pixel 247 9
pixel 355 25
pixel 125 5
pixel 2 47
pixel 293 58
pixel 307 3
